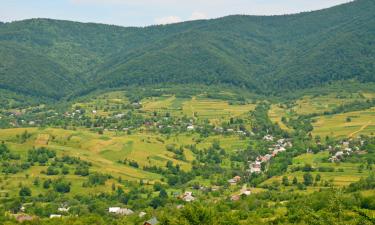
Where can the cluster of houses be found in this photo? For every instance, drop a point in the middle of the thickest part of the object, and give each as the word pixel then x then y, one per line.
pixel 339 152
pixel 127 212
pixel 280 146
pixel 24 217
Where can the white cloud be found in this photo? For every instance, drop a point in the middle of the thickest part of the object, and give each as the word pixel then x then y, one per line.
pixel 168 20
pixel 198 16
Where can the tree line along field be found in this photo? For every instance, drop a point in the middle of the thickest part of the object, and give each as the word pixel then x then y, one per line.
pixel 331 174
pixel 346 124
pixel 201 107
pixel 340 125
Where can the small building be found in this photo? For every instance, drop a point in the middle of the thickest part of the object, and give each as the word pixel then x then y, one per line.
pixel 152 221
pixel 55 216
pixel 63 209
pixel 188 196
pixel 256 167
pixel 232 182
pixel 245 192
pixel 268 137
pixel 190 128
pixel 120 211
pixel 141 214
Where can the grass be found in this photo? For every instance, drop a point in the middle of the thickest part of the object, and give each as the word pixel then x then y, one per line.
pixel 214 110
pixel 349 171
pixel 362 123
pixel 275 114
pixel 320 104
pixel 104 151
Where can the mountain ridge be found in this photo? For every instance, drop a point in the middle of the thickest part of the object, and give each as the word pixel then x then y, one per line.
pixel 266 54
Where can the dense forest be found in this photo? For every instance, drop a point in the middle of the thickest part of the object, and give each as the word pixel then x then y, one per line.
pixel 264 54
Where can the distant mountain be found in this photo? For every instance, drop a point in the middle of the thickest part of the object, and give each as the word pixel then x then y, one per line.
pixel 266 54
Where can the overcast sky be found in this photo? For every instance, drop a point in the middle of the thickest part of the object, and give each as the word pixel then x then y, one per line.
pixel 148 12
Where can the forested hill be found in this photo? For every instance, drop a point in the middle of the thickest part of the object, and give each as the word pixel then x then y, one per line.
pixel 266 54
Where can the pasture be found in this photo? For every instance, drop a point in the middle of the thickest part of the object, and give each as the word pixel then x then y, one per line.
pixel 343 125
pixel 343 174
pixel 104 152
pixel 322 103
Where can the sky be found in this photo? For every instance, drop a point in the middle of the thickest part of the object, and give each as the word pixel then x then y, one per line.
pixel 149 12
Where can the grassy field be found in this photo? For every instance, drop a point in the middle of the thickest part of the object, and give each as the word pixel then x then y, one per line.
pixel 104 151
pixel 200 107
pixel 105 103
pixel 276 113
pixel 320 104
pixel 362 122
pixel 214 110
pixel 343 175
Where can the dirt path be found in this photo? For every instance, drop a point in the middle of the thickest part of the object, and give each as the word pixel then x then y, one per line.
pixel 361 129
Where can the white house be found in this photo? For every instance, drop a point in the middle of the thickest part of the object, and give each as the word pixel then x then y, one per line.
pixel 268 137
pixel 120 211
pixel 63 209
pixel 188 196
pixel 256 167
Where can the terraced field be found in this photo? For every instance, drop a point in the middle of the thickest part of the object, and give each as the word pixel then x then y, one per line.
pixel 214 110
pixel 320 104
pixel 275 114
pixel 104 151
pixel 361 122
pixel 343 174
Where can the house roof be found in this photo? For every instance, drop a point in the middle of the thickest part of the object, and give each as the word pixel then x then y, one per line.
pixel 152 221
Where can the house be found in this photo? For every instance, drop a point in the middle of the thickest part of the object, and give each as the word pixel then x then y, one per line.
pixel 245 192
pixel 190 128
pixel 256 167
pixel 152 221
pixel 141 214
pixel 55 216
pixel 63 209
pixel 237 178
pixel 119 116
pixel 188 196
pixel 337 157
pixel 120 211
pixel 232 182
pixel 268 137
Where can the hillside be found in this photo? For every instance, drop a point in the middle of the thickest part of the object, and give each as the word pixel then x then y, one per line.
pixel 50 58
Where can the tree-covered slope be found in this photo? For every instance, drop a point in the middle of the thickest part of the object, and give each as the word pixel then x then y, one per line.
pixel 266 54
